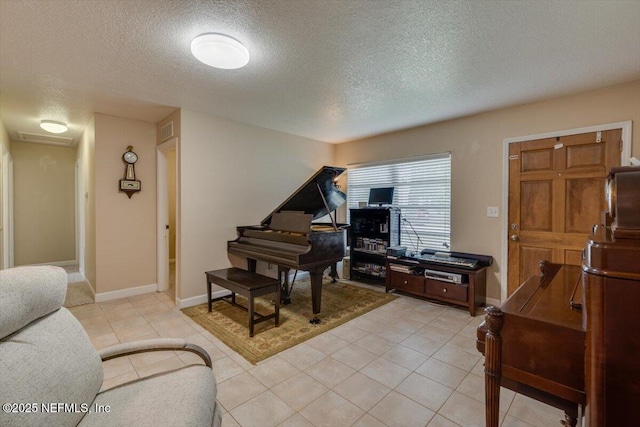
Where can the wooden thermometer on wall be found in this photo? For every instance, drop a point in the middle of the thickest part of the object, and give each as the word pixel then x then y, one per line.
pixel 130 184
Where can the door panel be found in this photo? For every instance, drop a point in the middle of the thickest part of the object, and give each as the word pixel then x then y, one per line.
pixel 585 201
pixel 556 194
pixel 539 194
pixel 536 160
pixel 585 155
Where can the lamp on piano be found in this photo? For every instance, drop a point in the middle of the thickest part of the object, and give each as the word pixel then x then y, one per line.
pixel 418 240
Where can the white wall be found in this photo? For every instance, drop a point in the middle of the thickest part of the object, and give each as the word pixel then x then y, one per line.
pixel 44 207
pixel 232 174
pixel 125 228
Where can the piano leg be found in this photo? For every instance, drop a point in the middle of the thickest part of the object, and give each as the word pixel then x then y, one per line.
pixel 316 288
pixel 285 293
pixel 334 273
pixel 251 265
pixel 493 365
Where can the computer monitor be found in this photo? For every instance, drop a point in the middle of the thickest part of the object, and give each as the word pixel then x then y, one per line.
pixel 381 196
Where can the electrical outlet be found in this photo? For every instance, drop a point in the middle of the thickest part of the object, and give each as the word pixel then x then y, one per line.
pixel 492 211
pixel 269 266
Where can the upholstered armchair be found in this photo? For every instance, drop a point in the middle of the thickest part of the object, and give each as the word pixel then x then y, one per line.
pixel 51 375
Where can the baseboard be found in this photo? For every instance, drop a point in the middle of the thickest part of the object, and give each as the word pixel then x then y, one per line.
pixel 59 263
pixel 129 292
pixel 200 299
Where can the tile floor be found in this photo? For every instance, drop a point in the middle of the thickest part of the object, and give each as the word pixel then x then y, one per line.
pixel 408 363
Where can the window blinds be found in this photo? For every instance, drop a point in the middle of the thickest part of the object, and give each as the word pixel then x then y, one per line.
pixel 422 192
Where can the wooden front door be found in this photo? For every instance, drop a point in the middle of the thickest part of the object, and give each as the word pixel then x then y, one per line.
pixel 556 195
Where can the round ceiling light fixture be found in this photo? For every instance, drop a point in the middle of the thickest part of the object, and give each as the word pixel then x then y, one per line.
pixel 220 51
pixel 53 126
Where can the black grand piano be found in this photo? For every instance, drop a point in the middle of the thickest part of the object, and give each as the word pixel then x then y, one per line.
pixel 289 239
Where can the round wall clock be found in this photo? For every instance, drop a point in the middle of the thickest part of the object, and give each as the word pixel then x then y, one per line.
pixel 130 157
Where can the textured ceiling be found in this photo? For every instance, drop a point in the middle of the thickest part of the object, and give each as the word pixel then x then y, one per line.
pixel 328 70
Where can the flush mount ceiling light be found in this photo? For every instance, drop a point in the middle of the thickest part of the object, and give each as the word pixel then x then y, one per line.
pixel 53 127
pixel 220 51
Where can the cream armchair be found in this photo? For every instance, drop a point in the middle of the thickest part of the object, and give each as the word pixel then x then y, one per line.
pixel 51 375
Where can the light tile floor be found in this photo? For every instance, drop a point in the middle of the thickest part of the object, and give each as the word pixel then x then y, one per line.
pixel 408 363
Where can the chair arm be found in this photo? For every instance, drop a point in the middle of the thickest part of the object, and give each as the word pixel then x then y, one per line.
pixel 158 344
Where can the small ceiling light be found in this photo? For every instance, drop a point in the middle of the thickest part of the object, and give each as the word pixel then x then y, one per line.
pixel 53 127
pixel 220 51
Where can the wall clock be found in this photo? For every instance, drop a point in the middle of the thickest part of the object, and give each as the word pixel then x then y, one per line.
pixel 130 184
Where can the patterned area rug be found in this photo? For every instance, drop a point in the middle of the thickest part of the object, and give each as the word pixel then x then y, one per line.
pixel 341 302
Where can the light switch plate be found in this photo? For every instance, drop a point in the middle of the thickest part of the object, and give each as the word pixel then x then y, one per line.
pixel 492 211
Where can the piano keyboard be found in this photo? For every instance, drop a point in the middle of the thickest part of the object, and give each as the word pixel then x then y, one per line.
pixel 449 260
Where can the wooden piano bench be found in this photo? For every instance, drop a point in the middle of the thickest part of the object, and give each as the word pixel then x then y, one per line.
pixel 249 285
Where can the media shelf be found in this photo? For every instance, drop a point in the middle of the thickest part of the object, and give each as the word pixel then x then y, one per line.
pixel 407 276
pixel 372 231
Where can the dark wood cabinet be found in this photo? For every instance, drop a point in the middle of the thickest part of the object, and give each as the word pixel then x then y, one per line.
pixel 409 283
pixel 408 276
pixel 372 231
pixel 447 291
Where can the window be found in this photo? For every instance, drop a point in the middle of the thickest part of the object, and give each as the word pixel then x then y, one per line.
pixel 422 192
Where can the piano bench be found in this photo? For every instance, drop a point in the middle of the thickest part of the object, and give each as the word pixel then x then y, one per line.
pixel 249 285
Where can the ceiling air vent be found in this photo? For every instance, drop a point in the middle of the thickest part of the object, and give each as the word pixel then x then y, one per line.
pixel 45 139
pixel 166 131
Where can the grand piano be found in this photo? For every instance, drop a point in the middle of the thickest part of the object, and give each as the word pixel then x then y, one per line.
pixel 569 336
pixel 290 239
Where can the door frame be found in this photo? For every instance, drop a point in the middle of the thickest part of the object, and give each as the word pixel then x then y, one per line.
pixel 162 215
pixel 625 154
pixel 7 214
pixel 80 218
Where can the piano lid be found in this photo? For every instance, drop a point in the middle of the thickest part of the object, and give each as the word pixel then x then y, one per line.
pixel 307 198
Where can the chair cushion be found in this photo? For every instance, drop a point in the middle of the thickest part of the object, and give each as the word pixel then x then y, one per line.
pixel 186 396
pixel 28 293
pixel 50 360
